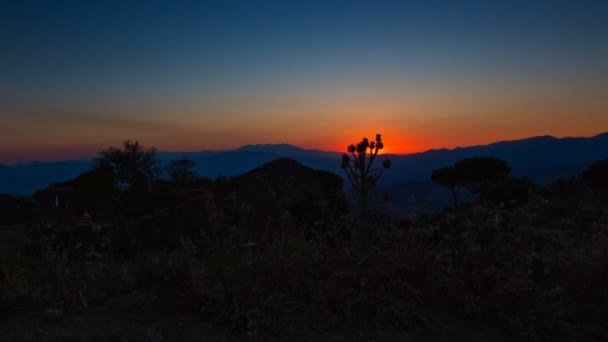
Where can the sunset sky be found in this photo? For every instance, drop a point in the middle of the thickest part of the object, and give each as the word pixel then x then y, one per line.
pixel 79 76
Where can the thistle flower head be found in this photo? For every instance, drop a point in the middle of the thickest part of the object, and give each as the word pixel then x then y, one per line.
pixel 361 147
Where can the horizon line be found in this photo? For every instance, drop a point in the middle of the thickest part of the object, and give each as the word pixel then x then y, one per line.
pixel 10 164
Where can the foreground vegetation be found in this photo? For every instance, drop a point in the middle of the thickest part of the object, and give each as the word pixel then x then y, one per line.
pixel 537 269
pixel 533 269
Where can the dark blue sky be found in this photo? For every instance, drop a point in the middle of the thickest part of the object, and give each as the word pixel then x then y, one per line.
pixel 203 67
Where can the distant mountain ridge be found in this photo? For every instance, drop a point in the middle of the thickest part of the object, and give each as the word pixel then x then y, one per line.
pixel 542 158
pixel 286 149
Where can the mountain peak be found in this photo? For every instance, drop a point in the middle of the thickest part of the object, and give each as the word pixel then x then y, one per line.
pixel 280 164
pixel 542 137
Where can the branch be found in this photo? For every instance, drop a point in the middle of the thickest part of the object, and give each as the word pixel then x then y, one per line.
pixel 361 158
pixel 352 177
pixel 380 173
pixel 355 157
pixel 371 160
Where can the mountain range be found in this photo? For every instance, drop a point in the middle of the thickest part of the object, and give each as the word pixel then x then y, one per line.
pixel 543 159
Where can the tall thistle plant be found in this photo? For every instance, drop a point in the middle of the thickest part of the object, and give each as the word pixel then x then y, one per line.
pixel 358 165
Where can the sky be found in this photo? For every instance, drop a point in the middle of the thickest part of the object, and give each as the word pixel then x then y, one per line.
pixel 79 76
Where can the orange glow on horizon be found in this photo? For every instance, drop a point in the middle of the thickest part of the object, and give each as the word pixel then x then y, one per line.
pixel 392 144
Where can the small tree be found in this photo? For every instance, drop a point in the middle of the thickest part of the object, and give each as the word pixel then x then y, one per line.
pixel 479 173
pixel 447 177
pixel 181 171
pixel 134 168
pixel 358 167
pixel 479 169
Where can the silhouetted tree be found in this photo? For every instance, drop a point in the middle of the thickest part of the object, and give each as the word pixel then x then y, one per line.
pixel 480 169
pixel 358 167
pixel 134 168
pixel 478 173
pixel 181 171
pixel 448 177
pixel 483 176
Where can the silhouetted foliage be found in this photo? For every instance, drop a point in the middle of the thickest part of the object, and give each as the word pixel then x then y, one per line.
pixel 134 168
pixel 482 169
pixel 358 168
pixel 597 174
pixel 181 171
pixel 480 174
pixel 534 270
pixel 447 177
pixel 483 176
